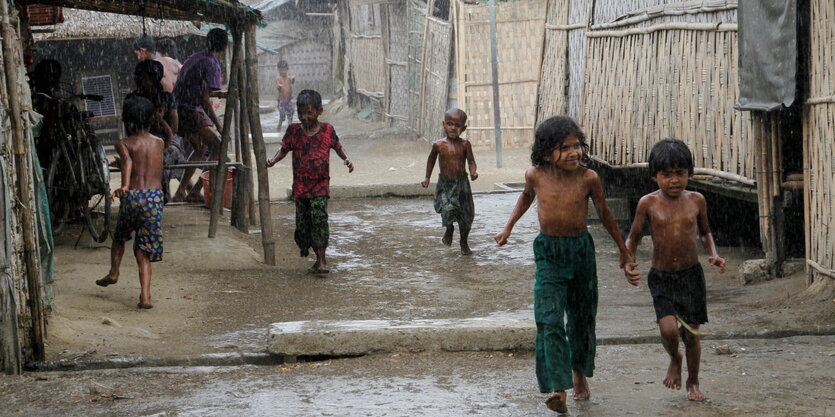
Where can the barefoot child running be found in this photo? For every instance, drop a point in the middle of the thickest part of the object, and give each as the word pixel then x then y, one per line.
pixel 676 280
pixel 284 102
pixel 453 196
pixel 311 142
pixel 140 210
pixel 566 270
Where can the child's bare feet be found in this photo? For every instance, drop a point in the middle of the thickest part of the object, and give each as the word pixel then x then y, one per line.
pixel 581 387
pixel 556 402
pixel 465 249
pixel 144 302
pixel 673 378
pixel 693 393
pixel 107 280
pixel 447 239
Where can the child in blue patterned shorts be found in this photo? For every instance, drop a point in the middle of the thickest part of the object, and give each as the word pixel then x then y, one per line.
pixel 140 210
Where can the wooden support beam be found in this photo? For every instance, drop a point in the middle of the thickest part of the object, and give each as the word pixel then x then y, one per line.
pixel 219 180
pixel 246 148
pixel 258 145
pixel 25 192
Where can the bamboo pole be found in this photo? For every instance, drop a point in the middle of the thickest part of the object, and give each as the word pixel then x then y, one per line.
pixel 716 27
pixel 386 33
pixel 246 149
pixel 25 193
pixel 807 190
pixel 219 180
pixel 260 150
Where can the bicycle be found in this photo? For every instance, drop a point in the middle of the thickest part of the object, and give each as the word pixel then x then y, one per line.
pixel 77 174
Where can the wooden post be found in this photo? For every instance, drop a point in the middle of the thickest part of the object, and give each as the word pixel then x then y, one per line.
pixel 260 149
pixel 11 361
pixel 494 63
pixel 219 180
pixel 246 149
pixel 385 31
pixel 240 199
pixel 25 193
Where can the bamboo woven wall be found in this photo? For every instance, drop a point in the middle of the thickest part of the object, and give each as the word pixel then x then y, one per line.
pixel 414 64
pixel 366 50
pixel 641 86
pixel 554 74
pixel 434 78
pixel 577 20
pixel 520 37
pixel 819 141
pixel 398 56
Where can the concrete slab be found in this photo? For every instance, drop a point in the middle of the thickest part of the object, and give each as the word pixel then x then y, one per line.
pixel 359 337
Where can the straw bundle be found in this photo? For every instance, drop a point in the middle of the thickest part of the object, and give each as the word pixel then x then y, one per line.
pixel 520 37
pixel 673 79
pixel 819 144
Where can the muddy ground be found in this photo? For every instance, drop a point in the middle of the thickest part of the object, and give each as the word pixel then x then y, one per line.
pixel 780 378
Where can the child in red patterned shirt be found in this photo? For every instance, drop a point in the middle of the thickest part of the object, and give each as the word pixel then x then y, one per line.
pixel 311 142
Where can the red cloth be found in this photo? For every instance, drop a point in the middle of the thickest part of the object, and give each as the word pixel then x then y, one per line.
pixel 311 159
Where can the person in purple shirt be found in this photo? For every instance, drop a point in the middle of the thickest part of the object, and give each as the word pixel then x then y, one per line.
pixel 199 80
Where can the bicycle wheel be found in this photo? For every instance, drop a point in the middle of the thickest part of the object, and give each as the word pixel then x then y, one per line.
pixel 56 192
pixel 97 182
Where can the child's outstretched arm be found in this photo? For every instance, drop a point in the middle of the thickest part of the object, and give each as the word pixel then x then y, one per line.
pixel 471 161
pixel 706 236
pixel 344 156
pixel 599 200
pixel 430 165
pixel 634 239
pixel 522 205
pixel 278 156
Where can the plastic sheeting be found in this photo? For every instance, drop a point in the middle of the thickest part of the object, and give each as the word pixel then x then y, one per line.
pixel 767 54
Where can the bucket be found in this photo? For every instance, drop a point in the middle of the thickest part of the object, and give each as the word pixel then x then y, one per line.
pixel 206 176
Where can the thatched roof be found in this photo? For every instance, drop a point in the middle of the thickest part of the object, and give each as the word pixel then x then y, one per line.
pixel 214 11
pixel 86 24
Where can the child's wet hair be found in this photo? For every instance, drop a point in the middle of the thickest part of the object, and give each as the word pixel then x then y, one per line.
pixel 550 134
pixel 670 153
pixel 137 113
pixel 217 39
pixel 149 67
pixel 461 114
pixel 309 98
pixel 167 46
pixel 282 64
pixel 145 41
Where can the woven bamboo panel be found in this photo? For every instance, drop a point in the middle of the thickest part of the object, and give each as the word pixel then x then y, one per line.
pixel 309 61
pixel 577 15
pixel 398 56
pixel 554 76
pixel 520 37
pixel 819 140
pixel 414 64
pixel 668 83
pixel 699 11
pixel 366 50
pixel 435 78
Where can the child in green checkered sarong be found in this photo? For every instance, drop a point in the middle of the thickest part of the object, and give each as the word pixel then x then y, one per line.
pixel 566 269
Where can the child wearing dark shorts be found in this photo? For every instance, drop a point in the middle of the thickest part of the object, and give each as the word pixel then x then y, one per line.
pixel 676 280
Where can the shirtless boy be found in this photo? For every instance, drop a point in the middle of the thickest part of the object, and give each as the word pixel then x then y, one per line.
pixel 144 47
pixel 140 210
pixel 284 85
pixel 676 280
pixel 566 269
pixel 453 195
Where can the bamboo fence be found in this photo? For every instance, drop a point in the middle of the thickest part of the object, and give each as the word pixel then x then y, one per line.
pixel 675 79
pixel 520 28
pixel 366 50
pixel 555 64
pixel 819 144
pixel 578 11
pixel 397 62
pixel 434 78
pixel 414 61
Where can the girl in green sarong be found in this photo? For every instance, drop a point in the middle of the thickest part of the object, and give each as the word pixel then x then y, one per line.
pixel 566 277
